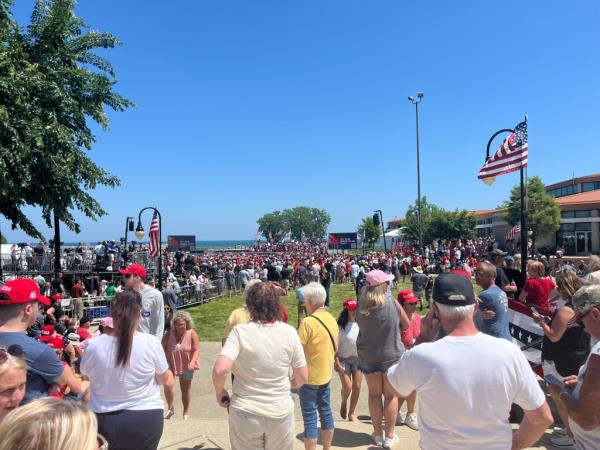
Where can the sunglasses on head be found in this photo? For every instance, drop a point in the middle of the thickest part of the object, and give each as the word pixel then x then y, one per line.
pixel 13 350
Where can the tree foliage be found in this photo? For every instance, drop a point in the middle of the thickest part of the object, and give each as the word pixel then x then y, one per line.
pixel 52 83
pixel 312 222
pixel 544 211
pixel 370 232
pixel 438 223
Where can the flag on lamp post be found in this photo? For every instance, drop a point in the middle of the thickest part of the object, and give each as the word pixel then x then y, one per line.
pixel 510 157
pixel 154 248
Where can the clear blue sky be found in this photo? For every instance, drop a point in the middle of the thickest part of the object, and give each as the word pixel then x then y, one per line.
pixel 244 107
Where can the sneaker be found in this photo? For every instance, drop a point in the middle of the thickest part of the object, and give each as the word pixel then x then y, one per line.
pixel 559 431
pixel 562 442
pixel 377 440
pixel 390 442
pixel 400 419
pixel 411 421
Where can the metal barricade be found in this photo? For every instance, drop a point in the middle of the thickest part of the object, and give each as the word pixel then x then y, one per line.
pixel 197 294
pixel 93 307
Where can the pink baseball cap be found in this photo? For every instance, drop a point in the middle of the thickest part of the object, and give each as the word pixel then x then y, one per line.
pixel 377 277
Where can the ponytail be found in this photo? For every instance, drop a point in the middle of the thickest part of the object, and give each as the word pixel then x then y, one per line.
pixel 125 311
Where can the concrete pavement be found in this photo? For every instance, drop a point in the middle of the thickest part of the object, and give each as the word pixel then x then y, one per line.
pixel 207 428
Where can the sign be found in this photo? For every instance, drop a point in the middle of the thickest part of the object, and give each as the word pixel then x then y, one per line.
pixel 183 243
pixel 342 241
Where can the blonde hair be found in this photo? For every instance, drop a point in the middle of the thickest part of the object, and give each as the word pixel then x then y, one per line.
pixel 536 269
pixel 183 315
pixel 372 297
pixel 12 362
pixel 568 283
pixel 593 264
pixel 49 423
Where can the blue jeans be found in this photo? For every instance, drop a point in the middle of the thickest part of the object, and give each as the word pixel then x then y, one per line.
pixel 313 398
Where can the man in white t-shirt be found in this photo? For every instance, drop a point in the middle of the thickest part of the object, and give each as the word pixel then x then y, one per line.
pixel 467 381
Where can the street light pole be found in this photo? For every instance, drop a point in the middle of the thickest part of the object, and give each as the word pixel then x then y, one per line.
pixel 380 215
pixel 139 233
pixel 416 102
pixel 128 224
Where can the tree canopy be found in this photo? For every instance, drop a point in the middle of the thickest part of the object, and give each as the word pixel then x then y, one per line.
pixel 301 221
pixel 369 231
pixel 52 83
pixel 438 223
pixel 544 211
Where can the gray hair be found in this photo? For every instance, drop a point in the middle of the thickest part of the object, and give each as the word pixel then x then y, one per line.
pixel 186 317
pixel 314 294
pixel 593 263
pixel 455 312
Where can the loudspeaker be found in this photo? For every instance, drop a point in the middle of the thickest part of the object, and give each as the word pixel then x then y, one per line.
pixel 376 219
pixel 131 225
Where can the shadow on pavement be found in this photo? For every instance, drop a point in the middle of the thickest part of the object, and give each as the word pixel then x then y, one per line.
pixel 345 438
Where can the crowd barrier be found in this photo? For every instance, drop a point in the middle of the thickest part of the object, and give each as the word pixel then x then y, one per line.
pixel 98 307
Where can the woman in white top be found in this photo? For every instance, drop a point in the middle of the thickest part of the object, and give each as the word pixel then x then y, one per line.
pixel 346 361
pixel 125 370
pixel 261 353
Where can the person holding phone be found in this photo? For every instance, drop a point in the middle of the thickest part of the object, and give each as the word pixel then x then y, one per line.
pixel 579 395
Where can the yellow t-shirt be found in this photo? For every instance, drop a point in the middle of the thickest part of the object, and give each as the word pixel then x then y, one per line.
pixel 237 316
pixel 318 348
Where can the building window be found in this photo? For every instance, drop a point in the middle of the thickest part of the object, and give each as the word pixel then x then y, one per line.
pixel 567 227
pixel 583 213
pixel 576 214
pixel 567 214
pixel 590 186
pixel 584 226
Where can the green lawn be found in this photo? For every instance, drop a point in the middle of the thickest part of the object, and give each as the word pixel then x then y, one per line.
pixel 210 318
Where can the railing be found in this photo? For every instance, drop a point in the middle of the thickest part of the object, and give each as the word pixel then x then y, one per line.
pixel 190 295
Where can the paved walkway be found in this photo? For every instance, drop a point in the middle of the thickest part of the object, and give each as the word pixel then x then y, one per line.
pixel 207 427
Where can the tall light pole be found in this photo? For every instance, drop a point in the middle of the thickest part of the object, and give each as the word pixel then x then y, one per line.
pixel 139 233
pixel 416 102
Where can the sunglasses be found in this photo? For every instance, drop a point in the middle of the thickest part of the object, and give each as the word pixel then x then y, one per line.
pixel 13 350
pixel 128 275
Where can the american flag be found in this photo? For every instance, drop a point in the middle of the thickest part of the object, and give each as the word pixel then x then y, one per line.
pixel 514 231
pixel 511 156
pixel 154 248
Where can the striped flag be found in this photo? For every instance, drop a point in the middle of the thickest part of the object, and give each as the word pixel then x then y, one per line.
pixel 525 331
pixel 514 231
pixel 154 248
pixel 511 156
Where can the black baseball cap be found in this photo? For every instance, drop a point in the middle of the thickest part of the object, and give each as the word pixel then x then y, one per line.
pixel 453 290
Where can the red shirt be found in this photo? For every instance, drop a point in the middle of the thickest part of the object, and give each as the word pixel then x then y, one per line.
pixel 83 333
pixel 284 314
pixel 413 331
pixel 537 290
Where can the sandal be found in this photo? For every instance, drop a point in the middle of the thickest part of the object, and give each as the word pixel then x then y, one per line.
pixel 170 413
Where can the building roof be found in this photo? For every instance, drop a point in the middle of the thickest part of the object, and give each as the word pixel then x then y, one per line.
pixel 585 200
pixel 570 181
pixel 485 213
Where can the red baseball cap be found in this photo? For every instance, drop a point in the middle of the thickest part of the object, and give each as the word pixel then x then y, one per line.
pixel 22 290
pixel 134 269
pixel 48 332
pixel 350 304
pixel 407 296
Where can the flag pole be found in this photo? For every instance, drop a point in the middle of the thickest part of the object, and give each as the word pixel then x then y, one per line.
pixel 524 213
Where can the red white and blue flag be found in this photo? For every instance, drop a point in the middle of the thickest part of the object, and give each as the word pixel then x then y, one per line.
pixel 525 331
pixel 154 248
pixel 514 231
pixel 511 156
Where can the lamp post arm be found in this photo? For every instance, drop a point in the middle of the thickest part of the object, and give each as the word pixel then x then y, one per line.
pixel 504 130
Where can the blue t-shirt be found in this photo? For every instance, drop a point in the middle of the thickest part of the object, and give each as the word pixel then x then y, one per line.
pixel 43 366
pixel 494 299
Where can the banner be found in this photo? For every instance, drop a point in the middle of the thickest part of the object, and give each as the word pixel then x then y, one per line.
pixel 342 241
pixel 185 243
pixel 525 331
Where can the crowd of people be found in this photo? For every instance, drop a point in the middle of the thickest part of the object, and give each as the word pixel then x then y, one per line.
pixel 458 362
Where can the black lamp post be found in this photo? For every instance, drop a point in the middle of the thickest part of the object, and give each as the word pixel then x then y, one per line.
pixel 416 102
pixel 523 201
pixel 128 227
pixel 139 233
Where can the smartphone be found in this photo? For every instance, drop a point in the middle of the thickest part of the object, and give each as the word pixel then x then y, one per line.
pixel 553 380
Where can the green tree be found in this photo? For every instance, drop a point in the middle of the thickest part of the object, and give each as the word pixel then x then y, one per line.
pixel 312 221
pixel 544 212
pixel 272 226
pixel 53 83
pixel 369 231
pixel 428 210
pixel 3 240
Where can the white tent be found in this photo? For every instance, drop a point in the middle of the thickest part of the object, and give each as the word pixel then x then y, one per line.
pixel 394 233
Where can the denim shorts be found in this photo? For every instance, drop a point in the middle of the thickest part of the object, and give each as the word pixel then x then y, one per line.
pixel 315 398
pixel 367 368
pixel 350 364
pixel 187 376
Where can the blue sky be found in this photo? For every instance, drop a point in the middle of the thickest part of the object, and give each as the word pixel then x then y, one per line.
pixel 247 107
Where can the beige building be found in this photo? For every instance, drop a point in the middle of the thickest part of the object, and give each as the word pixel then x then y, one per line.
pixel 579 233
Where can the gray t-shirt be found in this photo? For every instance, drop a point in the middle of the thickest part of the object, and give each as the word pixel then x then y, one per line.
pixel 378 340
pixel 153 312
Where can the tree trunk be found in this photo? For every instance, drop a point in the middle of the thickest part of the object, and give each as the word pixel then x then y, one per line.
pixel 57 267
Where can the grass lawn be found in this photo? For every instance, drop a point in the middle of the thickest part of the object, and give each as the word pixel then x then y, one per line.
pixel 210 318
